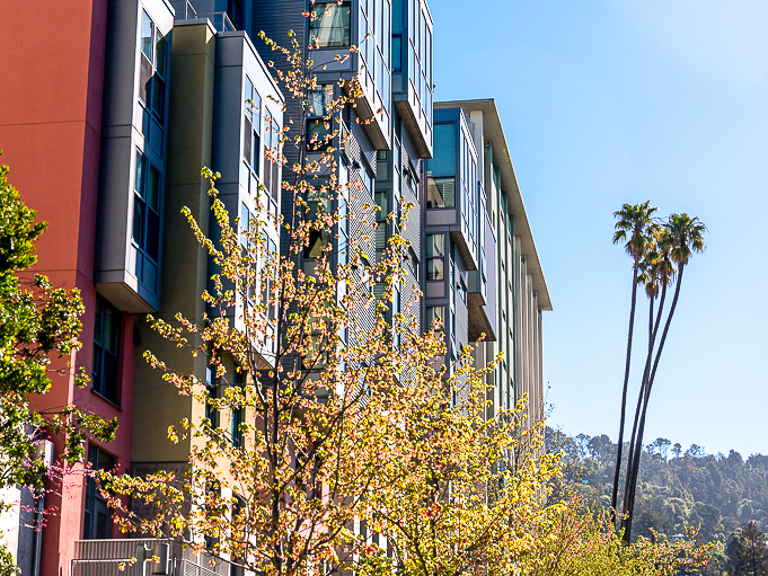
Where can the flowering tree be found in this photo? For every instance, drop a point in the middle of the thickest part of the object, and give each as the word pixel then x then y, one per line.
pixel 355 447
pixel 580 543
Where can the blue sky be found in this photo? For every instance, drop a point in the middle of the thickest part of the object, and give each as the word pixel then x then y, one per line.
pixel 611 101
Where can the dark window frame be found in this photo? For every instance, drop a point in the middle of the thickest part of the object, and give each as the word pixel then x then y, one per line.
pixel 97 517
pixel 105 370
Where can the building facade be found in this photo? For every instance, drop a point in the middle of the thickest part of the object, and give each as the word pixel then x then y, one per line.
pixel 148 92
pixel 509 285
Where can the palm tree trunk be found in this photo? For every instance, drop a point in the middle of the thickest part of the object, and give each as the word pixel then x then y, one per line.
pixel 653 330
pixel 615 494
pixel 632 488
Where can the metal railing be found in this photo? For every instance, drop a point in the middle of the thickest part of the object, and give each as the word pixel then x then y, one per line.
pixel 126 556
pixel 220 20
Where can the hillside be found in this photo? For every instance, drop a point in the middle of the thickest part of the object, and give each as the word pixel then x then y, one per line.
pixel 676 488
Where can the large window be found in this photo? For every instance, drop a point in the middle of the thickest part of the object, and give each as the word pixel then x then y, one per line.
pixel 441 192
pixel 319 124
pixel 212 391
pixel 435 256
pixel 152 81
pixel 319 203
pixel 106 342
pixel 272 158
pixel 146 220
pixel 329 25
pixel 436 314
pixel 98 518
pixel 252 128
pixel 443 163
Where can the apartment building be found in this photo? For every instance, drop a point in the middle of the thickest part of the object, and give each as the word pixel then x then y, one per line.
pixel 383 136
pixel 148 92
pixel 483 251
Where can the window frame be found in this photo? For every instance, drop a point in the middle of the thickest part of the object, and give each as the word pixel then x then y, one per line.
pixel 94 502
pixel 332 6
pixel 101 352
pixel 434 258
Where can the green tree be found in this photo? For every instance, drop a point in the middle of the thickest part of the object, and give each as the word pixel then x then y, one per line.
pixel 634 222
pixel 37 323
pixel 750 555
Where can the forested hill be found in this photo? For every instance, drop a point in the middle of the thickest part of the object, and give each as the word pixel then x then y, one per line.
pixel 676 488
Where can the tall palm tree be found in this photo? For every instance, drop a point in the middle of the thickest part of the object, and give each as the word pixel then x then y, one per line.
pixel 633 223
pixel 684 235
pixel 656 273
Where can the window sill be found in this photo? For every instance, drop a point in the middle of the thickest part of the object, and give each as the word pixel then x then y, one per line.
pixel 107 400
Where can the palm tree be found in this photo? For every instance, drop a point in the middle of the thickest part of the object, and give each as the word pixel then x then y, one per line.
pixel 656 272
pixel 683 236
pixel 634 221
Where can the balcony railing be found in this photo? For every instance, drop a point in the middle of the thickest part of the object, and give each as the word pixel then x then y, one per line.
pixel 220 20
pixel 119 557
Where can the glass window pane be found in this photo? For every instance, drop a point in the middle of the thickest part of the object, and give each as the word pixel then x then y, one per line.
pixel 329 25
pixel 145 80
pixel 435 246
pixel 158 96
pixel 441 193
pixel 153 188
pixel 248 96
pixel 162 54
pixel 435 269
pixel 248 141
pixel 147 29
pixel 139 210
pixel 444 161
pixel 153 235
pixel 317 134
pixel 320 100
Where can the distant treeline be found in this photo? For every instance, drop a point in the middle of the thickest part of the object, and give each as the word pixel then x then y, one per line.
pixel 677 488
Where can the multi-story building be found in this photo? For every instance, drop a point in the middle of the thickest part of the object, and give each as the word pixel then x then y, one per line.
pixel 86 79
pixel 148 92
pixel 483 270
pixel 383 136
pixel 131 138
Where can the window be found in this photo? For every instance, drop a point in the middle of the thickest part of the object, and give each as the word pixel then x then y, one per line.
pixel 252 128
pixel 235 13
pixel 462 288
pixel 146 220
pixel 329 25
pixel 435 256
pixel 272 158
pixel 106 341
pixel 212 390
pixel 98 518
pixel 153 68
pixel 319 203
pixel 236 420
pixel 441 192
pixel 367 178
pixel 443 163
pixel 319 124
pixel 436 314
pixel 343 257
pixel 412 263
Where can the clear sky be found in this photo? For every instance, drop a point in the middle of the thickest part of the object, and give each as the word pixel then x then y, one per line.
pixel 613 101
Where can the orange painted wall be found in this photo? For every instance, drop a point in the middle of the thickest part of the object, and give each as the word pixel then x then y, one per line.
pixel 50 133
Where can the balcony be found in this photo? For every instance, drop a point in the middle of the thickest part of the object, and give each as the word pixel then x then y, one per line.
pixel 115 557
pixel 220 20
